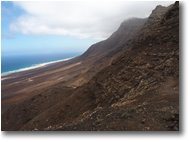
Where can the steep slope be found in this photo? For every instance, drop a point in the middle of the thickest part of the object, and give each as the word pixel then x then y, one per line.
pixel 102 53
pixel 138 91
pixel 72 73
pixel 18 91
pixel 125 32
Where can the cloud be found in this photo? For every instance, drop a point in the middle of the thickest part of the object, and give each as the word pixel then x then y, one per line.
pixel 79 19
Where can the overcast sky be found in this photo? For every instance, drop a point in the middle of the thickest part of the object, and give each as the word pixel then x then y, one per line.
pixel 84 21
pixel 81 19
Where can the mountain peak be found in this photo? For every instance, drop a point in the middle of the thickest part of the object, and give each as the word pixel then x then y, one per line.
pixel 157 13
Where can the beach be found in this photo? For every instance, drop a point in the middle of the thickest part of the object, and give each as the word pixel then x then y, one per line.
pixel 21 84
pixel 33 67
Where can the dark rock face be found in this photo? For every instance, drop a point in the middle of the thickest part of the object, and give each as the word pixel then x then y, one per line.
pixel 139 90
pixel 135 88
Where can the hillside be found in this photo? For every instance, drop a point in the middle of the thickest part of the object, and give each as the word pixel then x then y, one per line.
pixel 131 83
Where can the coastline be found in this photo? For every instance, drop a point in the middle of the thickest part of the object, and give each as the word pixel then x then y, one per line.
pixel 35 66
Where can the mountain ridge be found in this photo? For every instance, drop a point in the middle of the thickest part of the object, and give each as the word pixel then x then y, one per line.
pixel 136 86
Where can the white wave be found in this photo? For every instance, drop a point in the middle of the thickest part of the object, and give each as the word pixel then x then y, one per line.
pixel 34 66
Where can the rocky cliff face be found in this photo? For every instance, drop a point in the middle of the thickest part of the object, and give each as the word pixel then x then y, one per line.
pixel 137 90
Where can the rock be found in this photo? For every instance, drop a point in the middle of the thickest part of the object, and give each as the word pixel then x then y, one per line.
pixel 150 44
pixel 143 121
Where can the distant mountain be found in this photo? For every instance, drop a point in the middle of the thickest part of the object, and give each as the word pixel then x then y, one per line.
pixel 102 53
pixel 125 32
pixel 128 82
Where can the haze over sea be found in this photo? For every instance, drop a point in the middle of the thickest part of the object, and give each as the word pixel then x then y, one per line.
pixel 16 63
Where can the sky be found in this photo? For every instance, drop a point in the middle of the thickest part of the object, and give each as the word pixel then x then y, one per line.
pixel 64 26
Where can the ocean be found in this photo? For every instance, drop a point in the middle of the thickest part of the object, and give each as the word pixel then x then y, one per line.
pixel 17 63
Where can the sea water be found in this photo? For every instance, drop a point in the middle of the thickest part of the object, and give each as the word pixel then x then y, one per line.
pixel 17 63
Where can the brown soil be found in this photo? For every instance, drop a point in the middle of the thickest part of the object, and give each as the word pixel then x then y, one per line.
pixel 128 82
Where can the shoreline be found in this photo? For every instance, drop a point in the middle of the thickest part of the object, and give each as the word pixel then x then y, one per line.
pixel 35 66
